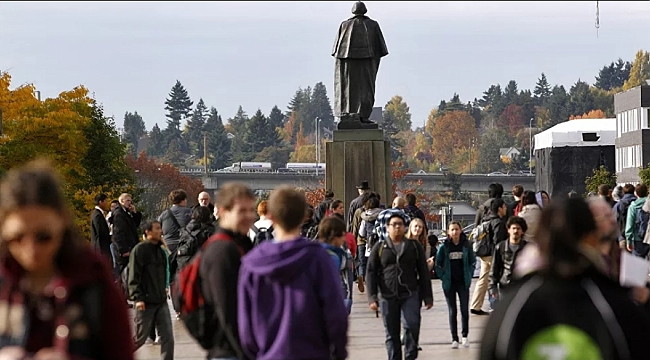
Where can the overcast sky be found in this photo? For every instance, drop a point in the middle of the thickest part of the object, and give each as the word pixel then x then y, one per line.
pixel 256 54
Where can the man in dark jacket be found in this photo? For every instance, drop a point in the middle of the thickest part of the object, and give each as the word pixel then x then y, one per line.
pixel 505 255
pixel 100 235
pixel 412 210
pixel 497 232
pixel 357 203
pixel 324 206
pixel 620 210
pixel 173 220
pixel 148 290
pixel 219 266
pixel 126 220
pixel 403 282
pixel 495 191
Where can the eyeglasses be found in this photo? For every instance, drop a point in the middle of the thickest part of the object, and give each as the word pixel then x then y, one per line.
pixel 40 237
pixel 396 224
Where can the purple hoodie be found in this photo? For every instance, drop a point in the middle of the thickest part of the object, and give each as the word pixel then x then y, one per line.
pixel 290 303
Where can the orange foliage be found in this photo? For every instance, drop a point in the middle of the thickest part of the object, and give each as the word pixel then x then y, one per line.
pixel 289 128
pixel 301 139
pixel 450 133
pixel 157 180
pixel 593 114
pixel 513 118
pixel 317 195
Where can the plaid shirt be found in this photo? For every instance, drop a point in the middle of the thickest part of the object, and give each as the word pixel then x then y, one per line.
pixel 381 225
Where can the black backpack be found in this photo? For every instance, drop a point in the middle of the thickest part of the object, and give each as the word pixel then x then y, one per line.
pixel 621 215
pixel 262 234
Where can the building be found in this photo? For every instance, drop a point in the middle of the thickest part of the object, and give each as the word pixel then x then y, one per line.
pixel 632 145
pixel 567 153
pixel 510 152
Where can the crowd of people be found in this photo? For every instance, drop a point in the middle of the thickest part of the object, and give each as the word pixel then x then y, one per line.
pixel 274 279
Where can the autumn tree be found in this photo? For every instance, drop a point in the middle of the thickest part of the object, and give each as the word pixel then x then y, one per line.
pixel 134 129
pixel 593 114
pixel 640 70
pixel 490 144
pixel 156 180
pixel 512 118
pixel 451 132
pixel 397 110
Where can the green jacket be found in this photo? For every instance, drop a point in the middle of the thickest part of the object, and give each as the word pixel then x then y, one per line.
pixel 630 223
pixel 443 265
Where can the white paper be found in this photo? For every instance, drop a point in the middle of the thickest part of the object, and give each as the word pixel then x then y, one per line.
pixel 634 270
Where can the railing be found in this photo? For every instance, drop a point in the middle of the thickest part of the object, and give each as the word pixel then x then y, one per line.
pixel 321 172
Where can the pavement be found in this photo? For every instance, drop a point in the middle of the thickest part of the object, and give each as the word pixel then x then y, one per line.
pixel 366 334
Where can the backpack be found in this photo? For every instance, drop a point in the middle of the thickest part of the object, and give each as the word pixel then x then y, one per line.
pixel 482 239
pixel 198 316
pixel 311 233
pixel 410 213
pixel 621 214
pixel 262 234
pixel 371 235
pixel 641 223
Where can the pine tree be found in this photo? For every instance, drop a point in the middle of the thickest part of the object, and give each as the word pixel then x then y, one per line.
pixel 276 117
pixel 613 76
pixel 542 90
pixel 258 136
pixel 511 93
pixel 320 102
pixel 217 141
pixel 156 142
pixel 389 125
pixel 179 107
pixel 194 129
pixel 238 124
pixel 174 155
pixel 558 106
pixel 134 129
pixel 582 99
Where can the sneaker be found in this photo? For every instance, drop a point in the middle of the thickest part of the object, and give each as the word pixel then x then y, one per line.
pixel 454 345
pixel 178 316
pixel 465 342
pixel 157 341
pixel 362 288
pixel 479 312
pixel 149 341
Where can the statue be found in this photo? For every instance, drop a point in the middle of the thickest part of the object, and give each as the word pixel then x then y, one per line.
pixel 358 49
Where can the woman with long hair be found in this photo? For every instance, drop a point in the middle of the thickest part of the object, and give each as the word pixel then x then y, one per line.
pixel 416 232
pixel 59 297
pixel 571 304
pixel 531 212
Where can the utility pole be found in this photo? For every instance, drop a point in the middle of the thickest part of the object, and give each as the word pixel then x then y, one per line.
pixel 205 153
pixel 470 156
pixel 530 146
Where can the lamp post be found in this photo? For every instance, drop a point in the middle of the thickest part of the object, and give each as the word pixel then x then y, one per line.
pixel 471 145
pixel 317 126
pixel 530 145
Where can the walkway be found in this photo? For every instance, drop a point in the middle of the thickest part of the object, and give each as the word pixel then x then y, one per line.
pixel 366 334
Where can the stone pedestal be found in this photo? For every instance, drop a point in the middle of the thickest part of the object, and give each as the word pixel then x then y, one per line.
pixel 354 156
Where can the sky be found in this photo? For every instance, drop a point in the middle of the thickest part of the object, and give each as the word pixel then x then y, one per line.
pixel 257 54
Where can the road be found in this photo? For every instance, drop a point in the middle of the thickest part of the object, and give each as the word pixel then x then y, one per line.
pixel 366 334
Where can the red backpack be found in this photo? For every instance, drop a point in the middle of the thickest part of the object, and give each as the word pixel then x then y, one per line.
pixel 197 315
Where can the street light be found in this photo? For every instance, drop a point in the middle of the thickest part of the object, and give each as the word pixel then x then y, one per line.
pixel 472 141
pixel 530 145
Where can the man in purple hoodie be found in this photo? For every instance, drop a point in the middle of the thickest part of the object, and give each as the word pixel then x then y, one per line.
pixel 290 299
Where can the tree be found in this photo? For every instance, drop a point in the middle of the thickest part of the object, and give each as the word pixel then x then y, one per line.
pixel 194 129
pixel 493 101
pixel 593 114
pixel 398 111
pixel 581 98
pixel 156 142
pixel 512 119
pixel 542 90
pixel 511 93
pixel 613 76
pixel 217 141
pixel 276 117
pixel 600 176
pixel 491 142
pixel 173 155
pixel 156 180
pixel 178 106
pixel 558 106
pixel 640 70
pixel 452 132
pixel 644 175
pixel 134 129
pixel 238 125
pixel 278 156
pixel 259 135
pixel 320 102
pixel 388 124
pixel 290 129
pixel 304 154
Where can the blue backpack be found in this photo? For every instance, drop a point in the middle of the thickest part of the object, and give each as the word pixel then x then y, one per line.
pixel 641 223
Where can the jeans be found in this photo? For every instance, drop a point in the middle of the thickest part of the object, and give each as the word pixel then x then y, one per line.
pixel 363 260
pixel 640 249
pixel 392 310
pixel 116 266
pixel 155 315
pixel 463 296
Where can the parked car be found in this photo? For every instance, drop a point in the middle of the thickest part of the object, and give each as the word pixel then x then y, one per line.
pixel 496 173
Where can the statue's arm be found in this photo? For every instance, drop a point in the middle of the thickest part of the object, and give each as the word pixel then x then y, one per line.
pixel 381 49
pixel 337 41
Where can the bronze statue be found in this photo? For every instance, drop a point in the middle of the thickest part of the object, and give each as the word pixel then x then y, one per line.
pixel 358 49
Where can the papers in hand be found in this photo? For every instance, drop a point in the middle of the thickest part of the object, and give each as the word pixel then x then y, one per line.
pixel 634 270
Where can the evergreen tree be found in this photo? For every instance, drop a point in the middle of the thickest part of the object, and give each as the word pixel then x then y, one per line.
pixel 276 117
pixel 302 106
pixel 558 106
pixel 105 154
pixel 511 93
pixel 259 135
pixel 134 129
pixel 322 107
pixel 217 141
pixel 194 129
pixel 173 155
pixel 238 125
pixel 613 76
pixel 178 106
pixel 542 90
pixel 493 101
pixel 581 99
pixel 156 142
pixel 390 127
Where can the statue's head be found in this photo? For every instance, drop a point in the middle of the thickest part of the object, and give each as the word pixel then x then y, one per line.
pixel 359 8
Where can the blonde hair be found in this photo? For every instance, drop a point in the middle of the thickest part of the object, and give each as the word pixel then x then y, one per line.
pixel 422 238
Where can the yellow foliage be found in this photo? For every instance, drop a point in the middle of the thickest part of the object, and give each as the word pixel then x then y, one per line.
pixel 593 114
pixel 452 132
pixel 640 70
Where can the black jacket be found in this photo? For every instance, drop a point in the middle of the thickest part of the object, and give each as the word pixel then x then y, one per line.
pixel 321 210
pixel 148 273
pixel 497 229
pixel 590 303
pixel 193 236
pixel 219 271
pixel 398 275
pixel 100 235
pixel 503 262
pixel 125 229
pixel 484 211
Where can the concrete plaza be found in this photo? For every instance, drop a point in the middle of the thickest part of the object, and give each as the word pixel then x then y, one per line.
pixel 366 334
